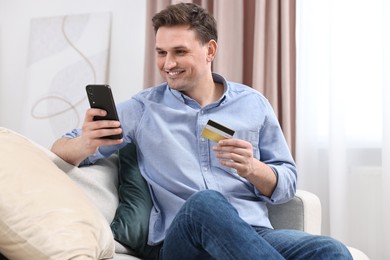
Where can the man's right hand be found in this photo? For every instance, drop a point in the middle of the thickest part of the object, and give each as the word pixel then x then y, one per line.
pixel 75 150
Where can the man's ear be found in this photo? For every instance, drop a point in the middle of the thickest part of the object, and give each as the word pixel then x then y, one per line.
pixel 211 50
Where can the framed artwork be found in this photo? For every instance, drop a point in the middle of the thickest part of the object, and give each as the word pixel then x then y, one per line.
pixel 65 54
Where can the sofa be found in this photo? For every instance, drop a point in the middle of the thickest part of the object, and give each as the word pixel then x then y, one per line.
pixel 72 217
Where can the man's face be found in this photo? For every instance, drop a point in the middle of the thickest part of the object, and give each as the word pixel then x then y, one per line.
pixel 181 58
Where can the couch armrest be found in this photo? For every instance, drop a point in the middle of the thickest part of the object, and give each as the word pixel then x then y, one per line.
pixel 303 212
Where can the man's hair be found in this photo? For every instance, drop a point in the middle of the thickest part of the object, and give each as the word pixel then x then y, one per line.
pixel 189 14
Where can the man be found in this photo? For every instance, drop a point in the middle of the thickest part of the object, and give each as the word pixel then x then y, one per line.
pixel 208 198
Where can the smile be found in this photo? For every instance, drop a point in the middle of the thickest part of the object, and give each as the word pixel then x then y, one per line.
pixel 173 73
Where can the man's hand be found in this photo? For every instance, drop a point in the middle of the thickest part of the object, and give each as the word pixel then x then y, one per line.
pixel 93 132
pixel 238 154
pixel 75 150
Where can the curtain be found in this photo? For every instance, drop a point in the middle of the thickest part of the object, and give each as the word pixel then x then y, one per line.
pixel 343 118
pixel 256 42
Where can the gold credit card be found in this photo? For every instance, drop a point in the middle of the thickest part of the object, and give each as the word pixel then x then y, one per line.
pixel 216 132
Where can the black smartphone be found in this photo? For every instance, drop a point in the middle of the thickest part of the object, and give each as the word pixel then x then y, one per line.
pixel 100 96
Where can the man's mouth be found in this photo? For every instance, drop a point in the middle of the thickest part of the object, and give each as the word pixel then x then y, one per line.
pixel 173 73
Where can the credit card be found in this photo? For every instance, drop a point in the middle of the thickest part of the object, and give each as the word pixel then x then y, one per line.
pixel 216 132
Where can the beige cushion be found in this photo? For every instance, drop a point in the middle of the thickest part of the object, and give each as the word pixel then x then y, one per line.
pixel 43 213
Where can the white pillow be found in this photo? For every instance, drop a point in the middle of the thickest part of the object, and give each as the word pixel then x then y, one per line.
pixel 43 213
pixel 98 181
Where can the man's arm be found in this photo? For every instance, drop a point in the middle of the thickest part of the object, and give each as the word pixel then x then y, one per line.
pixel 75 150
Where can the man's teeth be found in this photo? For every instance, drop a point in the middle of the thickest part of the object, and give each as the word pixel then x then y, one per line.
pixel 172 73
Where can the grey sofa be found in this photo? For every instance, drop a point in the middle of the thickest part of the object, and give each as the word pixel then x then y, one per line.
pixel 100 182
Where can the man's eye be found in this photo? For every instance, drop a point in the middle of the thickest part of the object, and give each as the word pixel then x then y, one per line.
pixel 180 52
pixel 161 53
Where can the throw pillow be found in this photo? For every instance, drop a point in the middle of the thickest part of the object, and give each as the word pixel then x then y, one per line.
pixel 99 181
pixel 131 221
pixel 43 213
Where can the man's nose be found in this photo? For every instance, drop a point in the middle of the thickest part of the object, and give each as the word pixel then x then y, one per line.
pixel 170 61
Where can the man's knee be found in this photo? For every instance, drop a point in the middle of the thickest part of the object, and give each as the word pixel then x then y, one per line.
pixel 340 251
pixel 207 204
pixel 329 248
pixel 204 199
pixel 205 196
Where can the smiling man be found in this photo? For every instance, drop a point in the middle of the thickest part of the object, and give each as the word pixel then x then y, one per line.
pixel 209 198
pixel 185 62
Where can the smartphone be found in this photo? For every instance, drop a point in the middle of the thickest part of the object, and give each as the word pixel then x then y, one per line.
pixel 100 96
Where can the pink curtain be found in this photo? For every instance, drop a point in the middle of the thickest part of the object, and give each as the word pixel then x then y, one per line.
pixel 256 40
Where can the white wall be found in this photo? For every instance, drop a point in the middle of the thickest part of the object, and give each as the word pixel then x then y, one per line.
pixel 126 55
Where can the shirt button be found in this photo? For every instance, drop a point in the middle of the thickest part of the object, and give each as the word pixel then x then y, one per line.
pixel 202 139
pixel 205 169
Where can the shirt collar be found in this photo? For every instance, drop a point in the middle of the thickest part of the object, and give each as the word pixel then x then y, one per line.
pixel 217 78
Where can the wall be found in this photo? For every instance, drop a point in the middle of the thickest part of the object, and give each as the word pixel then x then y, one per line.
pixel 126 59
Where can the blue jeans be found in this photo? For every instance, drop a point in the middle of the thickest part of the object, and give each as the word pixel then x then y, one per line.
pixel 209 227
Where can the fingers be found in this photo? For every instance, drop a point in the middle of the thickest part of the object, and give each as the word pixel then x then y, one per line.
pixel 234 147
pixel 111 126
pixel 237 154
pixel 92 112
pixel 93 132
pixel 102 133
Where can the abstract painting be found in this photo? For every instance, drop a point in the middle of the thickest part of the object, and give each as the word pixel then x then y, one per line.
pixel 65 54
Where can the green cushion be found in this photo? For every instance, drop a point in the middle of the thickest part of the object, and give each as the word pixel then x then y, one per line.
pixel 130 225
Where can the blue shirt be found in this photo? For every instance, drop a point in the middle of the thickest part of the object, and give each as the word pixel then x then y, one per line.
pixel 177 161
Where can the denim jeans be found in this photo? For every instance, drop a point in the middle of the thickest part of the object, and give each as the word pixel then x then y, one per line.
pixel 209 227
